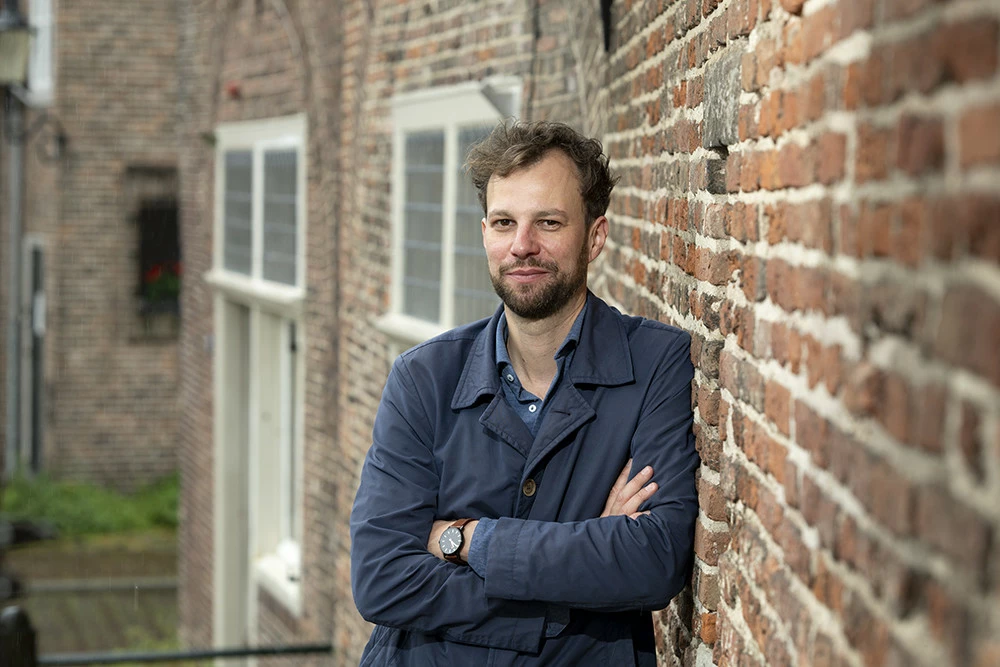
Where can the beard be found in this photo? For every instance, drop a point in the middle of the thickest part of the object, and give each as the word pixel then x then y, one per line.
pixel 536 302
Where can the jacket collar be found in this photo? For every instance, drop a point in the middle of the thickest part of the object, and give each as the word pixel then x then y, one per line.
pixel 602 356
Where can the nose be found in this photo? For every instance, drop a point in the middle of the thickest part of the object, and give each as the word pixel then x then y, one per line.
pixel 525 242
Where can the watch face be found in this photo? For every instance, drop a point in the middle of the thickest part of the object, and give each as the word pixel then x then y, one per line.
pixel 451 541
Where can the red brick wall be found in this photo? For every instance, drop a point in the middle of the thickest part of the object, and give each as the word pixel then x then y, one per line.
pixel 837 266
pixel 110 386
pixel 811 191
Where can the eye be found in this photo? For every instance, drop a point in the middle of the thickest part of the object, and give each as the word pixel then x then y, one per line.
pixel 550 224
pixel 503 223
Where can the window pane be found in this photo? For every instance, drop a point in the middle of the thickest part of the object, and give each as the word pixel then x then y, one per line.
pixel 280 205
pixel 422 219
pixel 40 57
pixel 237 238
pixel 473 293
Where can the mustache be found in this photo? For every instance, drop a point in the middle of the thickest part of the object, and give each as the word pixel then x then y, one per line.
pixel 529 264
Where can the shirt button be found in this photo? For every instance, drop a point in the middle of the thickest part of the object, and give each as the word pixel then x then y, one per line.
pixel 532 407
pixel 529 487
pixel 510 378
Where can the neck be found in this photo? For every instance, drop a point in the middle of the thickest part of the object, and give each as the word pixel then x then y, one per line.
pixel 532 344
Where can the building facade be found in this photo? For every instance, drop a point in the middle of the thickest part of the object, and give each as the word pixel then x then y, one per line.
pixel 100 253
pixel 810 188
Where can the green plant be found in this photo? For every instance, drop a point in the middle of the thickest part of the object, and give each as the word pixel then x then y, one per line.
pixel 77 508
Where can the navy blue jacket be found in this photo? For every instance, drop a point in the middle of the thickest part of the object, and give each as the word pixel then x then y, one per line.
pixel 447 445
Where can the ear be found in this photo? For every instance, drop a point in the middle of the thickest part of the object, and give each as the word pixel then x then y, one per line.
pixel 483 223
pixel 598 234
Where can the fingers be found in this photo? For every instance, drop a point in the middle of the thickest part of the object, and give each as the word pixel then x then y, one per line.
pixel 637 491
pixel 626 495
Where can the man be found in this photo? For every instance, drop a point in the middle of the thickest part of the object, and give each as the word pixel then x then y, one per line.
pixel 495 523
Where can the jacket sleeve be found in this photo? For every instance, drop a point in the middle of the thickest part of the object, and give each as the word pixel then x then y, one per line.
pixel 616 563
pixel 395 580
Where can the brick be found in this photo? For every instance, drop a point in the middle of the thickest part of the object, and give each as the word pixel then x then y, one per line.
pixel 967 49
pixel 970 442
pixel 973 348
pixel 909 239
pixel 811 432
pixel 712 500
pixel 708 628
pixel 873 154
pixel 866 632
pixel 794 47
pixel 893 407
pixel 813 97
pixel 954 529
pixel 708 445
pixel 742 17
pixel 708 405
pixel 928 407
pixel 793 6
pixel 831 148
pixel 979 136
pixel 708 544
pixel 777 402
pixel 753 276
pixel 891 500
pixel 949 621
pixel 920 145
pixel 750 172
pixel 741 222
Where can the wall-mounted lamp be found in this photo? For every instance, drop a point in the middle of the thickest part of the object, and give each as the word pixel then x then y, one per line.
pixel 15 45
pixel 15 36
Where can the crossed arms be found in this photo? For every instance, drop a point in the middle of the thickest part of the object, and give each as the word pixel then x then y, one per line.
pixel 624 559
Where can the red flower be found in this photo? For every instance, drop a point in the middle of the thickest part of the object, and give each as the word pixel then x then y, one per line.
pixel 154 273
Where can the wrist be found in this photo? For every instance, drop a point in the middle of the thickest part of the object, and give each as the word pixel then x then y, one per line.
pixel 468 532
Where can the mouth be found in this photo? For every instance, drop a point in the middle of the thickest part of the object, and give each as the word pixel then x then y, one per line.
pixel 526 275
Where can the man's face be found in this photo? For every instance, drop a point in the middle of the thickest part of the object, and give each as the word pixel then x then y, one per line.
pixel 537 239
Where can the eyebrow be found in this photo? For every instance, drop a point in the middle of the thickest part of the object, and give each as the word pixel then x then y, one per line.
pixel 544 213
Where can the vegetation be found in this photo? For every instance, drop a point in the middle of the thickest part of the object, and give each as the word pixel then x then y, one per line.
pixel 77 509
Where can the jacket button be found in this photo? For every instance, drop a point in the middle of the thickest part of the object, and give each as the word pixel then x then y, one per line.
pixel 529 487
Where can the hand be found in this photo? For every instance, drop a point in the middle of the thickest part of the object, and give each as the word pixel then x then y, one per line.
pixel 626 496
pixel 433 541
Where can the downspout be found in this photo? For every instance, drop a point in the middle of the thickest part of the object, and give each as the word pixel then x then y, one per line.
pixel 14 117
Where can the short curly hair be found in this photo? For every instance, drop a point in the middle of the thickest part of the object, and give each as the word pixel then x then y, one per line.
pixel 519 145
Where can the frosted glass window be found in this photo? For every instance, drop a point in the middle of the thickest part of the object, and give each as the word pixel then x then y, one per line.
pixel 280 228
pixel 423 213
pixel 238 212
pixel 474 295
pixel 40 56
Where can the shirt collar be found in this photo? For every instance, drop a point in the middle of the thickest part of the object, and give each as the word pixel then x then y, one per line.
pixel 602 355
pixel 568 345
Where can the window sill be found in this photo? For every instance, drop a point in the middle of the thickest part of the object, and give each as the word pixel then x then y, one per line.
pixel 272 575
pixel 285 300
pixel 407 329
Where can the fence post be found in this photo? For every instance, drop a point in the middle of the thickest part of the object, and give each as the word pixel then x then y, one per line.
pixel 17 639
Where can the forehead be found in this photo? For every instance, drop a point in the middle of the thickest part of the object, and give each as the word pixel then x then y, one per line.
pixel 553 180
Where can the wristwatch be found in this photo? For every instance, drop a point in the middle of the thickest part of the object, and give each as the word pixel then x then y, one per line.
pixel 452 540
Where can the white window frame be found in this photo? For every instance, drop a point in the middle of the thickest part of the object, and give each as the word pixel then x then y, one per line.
pixel 41 71
pixel 274 549
pixel 446 109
